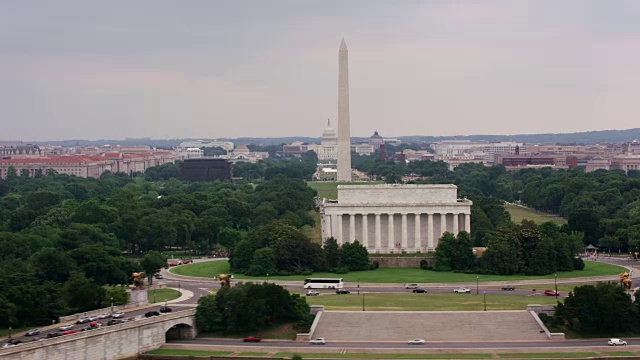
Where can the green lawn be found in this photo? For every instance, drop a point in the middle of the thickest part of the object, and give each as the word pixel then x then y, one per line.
pixel 214 268
pixel 162 295
pixel 329 189
pixel 387 356
pixel 519 213
pixel 427 302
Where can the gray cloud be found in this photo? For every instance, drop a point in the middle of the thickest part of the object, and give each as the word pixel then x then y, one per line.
pixel 78 69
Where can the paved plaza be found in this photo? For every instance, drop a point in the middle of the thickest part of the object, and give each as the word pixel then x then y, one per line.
pixel 429 325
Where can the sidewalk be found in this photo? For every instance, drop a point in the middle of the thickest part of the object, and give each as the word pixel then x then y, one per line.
pixel 184 295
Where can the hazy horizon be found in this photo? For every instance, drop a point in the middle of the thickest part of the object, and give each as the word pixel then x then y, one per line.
pixel 71 69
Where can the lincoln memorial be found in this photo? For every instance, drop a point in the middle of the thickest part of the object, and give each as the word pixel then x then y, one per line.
pixel 395 218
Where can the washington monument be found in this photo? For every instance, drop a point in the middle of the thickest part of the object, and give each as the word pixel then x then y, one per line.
pixel 344 133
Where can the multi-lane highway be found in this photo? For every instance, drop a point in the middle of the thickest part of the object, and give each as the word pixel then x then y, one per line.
pixel 404 345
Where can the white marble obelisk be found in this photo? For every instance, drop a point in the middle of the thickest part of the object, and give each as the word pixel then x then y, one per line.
pixel 344 133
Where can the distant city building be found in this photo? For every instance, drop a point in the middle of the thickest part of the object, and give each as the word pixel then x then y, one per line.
pixel 243 154
pixel 625 163
pixel 188 153
pixel 376 140
pixel 597 163
pixel 206 169
pixel 19 150
pixel 328 147
pixel 86 165
pixel 227 145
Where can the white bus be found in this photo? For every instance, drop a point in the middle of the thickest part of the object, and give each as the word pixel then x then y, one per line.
pixel 323 283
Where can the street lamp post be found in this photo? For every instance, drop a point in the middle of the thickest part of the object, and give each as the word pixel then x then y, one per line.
pixel 363 301
pixel 267 277
pixel 112 304
pixel 485 300
pixel 9 332
pixel 179 286
pixel 359 286
pixel 555 277
pixel 477 284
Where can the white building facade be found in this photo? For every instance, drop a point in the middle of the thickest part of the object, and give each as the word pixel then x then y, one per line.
pixel 395 218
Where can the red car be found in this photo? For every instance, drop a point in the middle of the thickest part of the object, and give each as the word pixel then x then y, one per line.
pixel 95 324
pixel 68 332
pixel 551 293
pixel 173 264
pixel 252 339
pixel 187 261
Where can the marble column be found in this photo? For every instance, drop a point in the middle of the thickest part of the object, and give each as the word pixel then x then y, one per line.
pixel 418 241
pixel 378 234
pixel 430 231
pixel 456 225
pixel 365 231
pixel 391 240
pixel 340 240
pixel 352 227
pixel 404 231
pixel 443 223
pixel 467 223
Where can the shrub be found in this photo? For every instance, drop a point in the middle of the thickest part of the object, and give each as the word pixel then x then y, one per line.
pixel 578 264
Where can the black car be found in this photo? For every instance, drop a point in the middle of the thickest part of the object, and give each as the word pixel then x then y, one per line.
pixel 114 322
pixel 419 291
pixel 13 341
pixel 151 314
pixel 52 335
pixel 165 309
pixel 509 287
pixel 342 291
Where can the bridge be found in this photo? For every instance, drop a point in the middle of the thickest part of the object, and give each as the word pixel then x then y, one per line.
pixel 120 341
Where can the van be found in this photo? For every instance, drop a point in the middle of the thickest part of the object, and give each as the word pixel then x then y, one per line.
pixel 410 286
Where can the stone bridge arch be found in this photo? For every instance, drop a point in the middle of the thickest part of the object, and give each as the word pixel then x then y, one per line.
pixel 182 328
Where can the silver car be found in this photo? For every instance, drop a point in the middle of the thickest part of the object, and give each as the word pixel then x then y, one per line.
pixel 318 341
pixel 416 342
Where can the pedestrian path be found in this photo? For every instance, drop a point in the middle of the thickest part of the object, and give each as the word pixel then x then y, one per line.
pixel 184 295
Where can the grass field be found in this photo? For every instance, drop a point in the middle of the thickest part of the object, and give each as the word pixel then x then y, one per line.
pixel 214 268
pixel 427 302
pixel 162 295
pixel 329 189
pixel 519 213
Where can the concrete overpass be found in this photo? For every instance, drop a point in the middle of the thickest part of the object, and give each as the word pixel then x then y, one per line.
pixel 120 341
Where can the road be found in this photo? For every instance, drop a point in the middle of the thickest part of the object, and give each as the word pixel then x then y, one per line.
pixel 402 345
pixel 200 287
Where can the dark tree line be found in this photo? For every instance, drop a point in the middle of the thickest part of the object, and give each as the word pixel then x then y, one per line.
pixel 251 307
pixel 64 238
pixel 604 309
pixel 278 248
pixel 526 248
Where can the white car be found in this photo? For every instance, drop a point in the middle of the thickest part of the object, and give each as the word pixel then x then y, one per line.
pixel 103 316
pixel 616 342
pixel 416 342
pixel 312 293
pixel 117 315
pixel 462 290
pixel 318 341
pixel 410 286
pixel 66 327
pixel 8 345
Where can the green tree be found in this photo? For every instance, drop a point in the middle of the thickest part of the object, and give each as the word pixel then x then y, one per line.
pixel 263 262
pixel 454 253
pixel 334 254
pixel 355 256
pixel 152 262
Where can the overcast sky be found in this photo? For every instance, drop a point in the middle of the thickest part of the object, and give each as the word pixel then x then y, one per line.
pixel 170 69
